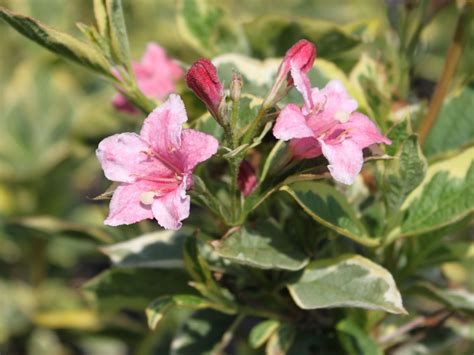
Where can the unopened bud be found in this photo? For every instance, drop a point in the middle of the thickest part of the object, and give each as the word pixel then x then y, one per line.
pixel 222 112
pixel 301 55
pixel 247 178
pixel 202 79
pixel 236 87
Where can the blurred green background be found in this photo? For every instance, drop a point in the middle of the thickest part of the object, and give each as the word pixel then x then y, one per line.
pixel 52 115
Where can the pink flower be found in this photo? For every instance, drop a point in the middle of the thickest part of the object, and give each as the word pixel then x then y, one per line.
pixel 156 76
pixel 155 168
pixel 202 79
pixel 247 179
pixel 328 125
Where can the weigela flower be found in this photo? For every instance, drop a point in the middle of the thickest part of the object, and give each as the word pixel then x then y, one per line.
pixel 202 79
pixel 247 178
pixel 155 168
pixel 156 76
pixel 327 124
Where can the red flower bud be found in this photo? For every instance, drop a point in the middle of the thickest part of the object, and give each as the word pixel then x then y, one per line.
pixel 302 54
pixel 203 80
pixel 247 178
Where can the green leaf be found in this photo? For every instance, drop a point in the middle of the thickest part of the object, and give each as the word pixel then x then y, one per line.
pixel 194 263
pixel 445 196
pixel 118 32
pixel 257 75
pixel 52 225
pixel 162 249
pixel 369 79
pixel 262 332
pixel 404 173
pixel 100 14
pixel 330 208
pixel 453 127
pixel 281 340
pixel 208 29
pixel 248 108
pixel 355 340
pixel 200 332
pixel 347 281
pixel 265 247
pixel 277 157
pixel 454 298
pixel 135 288
pixel 272 35
pixel 57 42
pixel 159 307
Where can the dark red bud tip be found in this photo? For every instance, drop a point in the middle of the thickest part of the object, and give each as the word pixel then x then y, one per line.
pixel 202 79
pixel 247 178
pixel 302 54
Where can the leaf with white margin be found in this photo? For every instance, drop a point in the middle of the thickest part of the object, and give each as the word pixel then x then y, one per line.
pixel 347 281
pixel 453 127
pixel 262 332
pixel 445 196
pixel 161 249
pixel 258 75
pixel 329 207
pixel 208 28
pixel 57 42
pixel 265 247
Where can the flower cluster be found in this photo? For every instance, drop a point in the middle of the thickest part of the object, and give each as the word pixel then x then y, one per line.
pixel 154 169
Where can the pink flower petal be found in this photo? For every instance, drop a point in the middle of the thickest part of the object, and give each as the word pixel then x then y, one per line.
pixel 305 148
pixel 120 156
pixel 303 85
pixel 291 123
pixel 156 59
pixel 196 147
pixel 345 160
pixel 334 106
pixel 126 207
pixel 363 131
pixel 156 76
pixel 170 209
pixel 162 128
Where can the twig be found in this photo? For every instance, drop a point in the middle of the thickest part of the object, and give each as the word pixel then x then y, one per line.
pixel 452 60
pixel 430 321
pixel 228 335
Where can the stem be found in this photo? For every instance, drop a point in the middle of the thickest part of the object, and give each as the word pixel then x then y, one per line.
pixel 422 321
pixel 452 60
pixel 234 173
pixel 233 124
pixel 255 124
pixel 228 335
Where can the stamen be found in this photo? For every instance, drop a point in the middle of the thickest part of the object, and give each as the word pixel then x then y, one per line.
pixel 148 197
pixel 342 116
